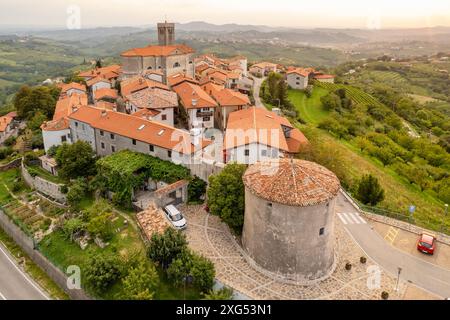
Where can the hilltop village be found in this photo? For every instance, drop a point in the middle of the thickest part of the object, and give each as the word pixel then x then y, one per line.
pixel 167 102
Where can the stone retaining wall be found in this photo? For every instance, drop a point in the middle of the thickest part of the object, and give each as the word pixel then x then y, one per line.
pixel 53 190
pixel 13 164
pixel 29 246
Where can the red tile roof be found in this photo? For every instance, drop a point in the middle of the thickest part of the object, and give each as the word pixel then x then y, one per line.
pixel 138 83
pixel 228 98
pixel 109 72
pixel 324 76
pixel 96 80
pixel 5 122
pixel 158 51
pixel 292 182
pixel 259 125
pixel 179 78
pixel 193 96
pixel 106 93
pixel 154 98
pixel 64 107
pixel 133 127
pixel 72 86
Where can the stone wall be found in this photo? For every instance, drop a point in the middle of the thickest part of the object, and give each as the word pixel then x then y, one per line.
pixel 28 245
pixel 286 240
pixel 13 164
pixel 50 189
pixel 204 169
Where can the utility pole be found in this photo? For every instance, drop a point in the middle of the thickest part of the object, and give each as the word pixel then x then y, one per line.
pixel 444 218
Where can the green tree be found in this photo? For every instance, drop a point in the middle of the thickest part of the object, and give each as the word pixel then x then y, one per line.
pixel 331 102
pixel 166 247
pixel 222 294
pixel 226 196
pixel 140 283
pixel 100 225
pixel 369 190
pixel 196 190
pixel 28 101
pixel 36 121
pixel 76 160
pixel 102 271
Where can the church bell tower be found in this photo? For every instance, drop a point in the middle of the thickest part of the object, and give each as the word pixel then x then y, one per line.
pixel 166 33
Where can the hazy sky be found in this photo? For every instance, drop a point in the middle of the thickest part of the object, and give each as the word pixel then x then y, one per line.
pixel 289 13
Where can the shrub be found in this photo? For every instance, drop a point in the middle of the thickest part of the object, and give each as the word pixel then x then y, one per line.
pixel 10 141
pixel 196 190
pixel 363 260
pixel 385 295
pixel 102 271
pixel 222 294
pixel 5 152
pixel 166 247
pixel 77 192
pixel 369 191
pixel 348 266
pixel 73 226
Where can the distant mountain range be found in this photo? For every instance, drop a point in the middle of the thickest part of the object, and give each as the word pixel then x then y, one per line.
pixel 199 30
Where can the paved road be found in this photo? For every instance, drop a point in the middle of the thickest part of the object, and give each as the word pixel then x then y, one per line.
pixel 256 89
pixel 14 284
pixel 421 273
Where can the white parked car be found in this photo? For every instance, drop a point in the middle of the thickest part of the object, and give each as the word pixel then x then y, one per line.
pixel 175 217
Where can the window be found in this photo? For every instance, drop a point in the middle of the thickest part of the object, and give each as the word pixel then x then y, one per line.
pixel 112 136
pixel 134 142
pixel 322 231
pixel 102 133
pixel 247 152
pixel 205 109
pixel 63 139
pixel 206 119
pixel 269 205
pixel 149 68
pixel 176 65
pixel 190 62
pixel 151 148
pixel 264 153
pixel 297 83
pixel 76 124
pixel 84 128
pixel 169 153
pixel 113 149
pixel 103 145
pixel 164 117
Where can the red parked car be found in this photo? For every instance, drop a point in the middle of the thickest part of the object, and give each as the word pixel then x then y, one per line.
pixel 426 243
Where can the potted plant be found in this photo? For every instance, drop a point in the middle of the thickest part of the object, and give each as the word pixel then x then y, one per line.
pixel 363 260
pixel 385 295
pixel 348 266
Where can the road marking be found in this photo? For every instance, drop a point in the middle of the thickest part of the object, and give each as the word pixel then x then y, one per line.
pixel 391 235
pixel 351 218
pixel 2 296
pixel 24 275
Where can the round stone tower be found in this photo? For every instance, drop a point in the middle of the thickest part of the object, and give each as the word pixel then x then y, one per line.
pixel 289 218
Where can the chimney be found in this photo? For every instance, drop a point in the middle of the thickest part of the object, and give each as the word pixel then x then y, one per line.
pixel 104 113
pixel 194 102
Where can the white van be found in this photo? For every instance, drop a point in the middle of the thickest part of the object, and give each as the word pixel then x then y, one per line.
pixel 175 217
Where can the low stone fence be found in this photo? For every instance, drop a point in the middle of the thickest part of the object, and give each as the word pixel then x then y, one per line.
pixel 29 246
pixel 50 189
pixel 13 164
pixel 396 223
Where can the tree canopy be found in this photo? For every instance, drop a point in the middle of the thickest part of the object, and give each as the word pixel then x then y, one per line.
pixel 226 196
pixel 76 160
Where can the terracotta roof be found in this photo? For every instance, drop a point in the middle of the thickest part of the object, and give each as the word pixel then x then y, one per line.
pixel 158 51
pixel 152 221
pixel 12 114
pixel 193 96
pixel 146 113
pixel 105 105
pixel 106 93
pixel 108 72
pixel 151 132
pixel 324 76
pixel 228 98
pixel 138 83
pixel 153 99
pixel 292 182
pixel 201 68
pixel 72 86
pixel 5 122
pixel 65 105
pixel 179 78
pixel 259 125
pixel 299 71
pixel 96 80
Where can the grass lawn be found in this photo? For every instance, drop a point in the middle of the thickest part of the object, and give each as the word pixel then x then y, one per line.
pixel 310 109
pixel 7 177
